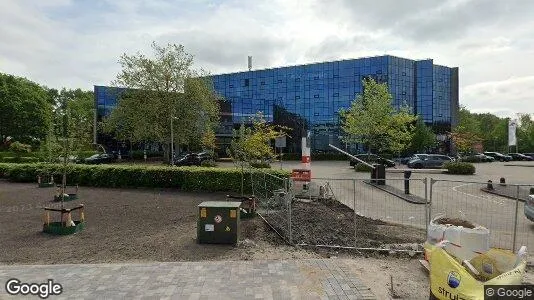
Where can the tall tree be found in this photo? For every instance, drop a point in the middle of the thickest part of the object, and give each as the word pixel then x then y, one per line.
pixel 423 138
pixel 25 109
pixel 163 90
pixel 466 135
pixel 525 134
pixel 371 120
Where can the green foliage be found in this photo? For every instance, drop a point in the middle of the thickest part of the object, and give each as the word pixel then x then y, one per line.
pixel 210 163
pixel 459 168
pixel 117 176
pixel 372 121
pixel 260 165
pixel 22 159
pixel 161 89
pixel 359 167
pixel 467 133
pixel 19 148
pixel 423 138
pixel 525 134
pixel 253 144
pixel 25 109
pixel 315 156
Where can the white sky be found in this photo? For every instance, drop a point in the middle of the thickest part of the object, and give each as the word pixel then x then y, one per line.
pixel 67 43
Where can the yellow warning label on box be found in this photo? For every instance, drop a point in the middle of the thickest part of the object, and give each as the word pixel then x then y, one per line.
pixel 227 228
pixel 203 212
pixel 232 213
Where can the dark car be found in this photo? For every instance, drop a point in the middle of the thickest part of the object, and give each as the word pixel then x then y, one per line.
pixel 372 159
pixel 529 155
pixel 102 158
pixel 193 159
pixel 498 156
pixel 520 156
pixel 477 157
pixel 189 159
pixel 429 161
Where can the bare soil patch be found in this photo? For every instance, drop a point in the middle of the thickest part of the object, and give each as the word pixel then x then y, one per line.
pixel 332 223
pixel 455 222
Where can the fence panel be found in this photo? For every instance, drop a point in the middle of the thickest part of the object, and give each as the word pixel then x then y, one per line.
pixel 471 201
pixel 273 201
pixel 524 228
pixel 356 213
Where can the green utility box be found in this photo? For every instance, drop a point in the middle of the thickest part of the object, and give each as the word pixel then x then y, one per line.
pixel 218 222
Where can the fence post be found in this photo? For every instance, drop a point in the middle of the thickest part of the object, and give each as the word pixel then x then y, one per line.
pixel 515 218
pixel 354 209
pixel 290 198
pixel 427 206
pixel 429 203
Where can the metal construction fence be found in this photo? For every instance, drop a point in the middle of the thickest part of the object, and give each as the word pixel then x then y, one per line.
pixel 405 207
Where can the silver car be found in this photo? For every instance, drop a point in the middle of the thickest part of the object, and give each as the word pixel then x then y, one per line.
pixel 429 161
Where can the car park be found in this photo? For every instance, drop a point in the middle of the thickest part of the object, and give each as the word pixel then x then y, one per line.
pixel 429 161
pixel 520 156
pixel 498 156
pixel 372 159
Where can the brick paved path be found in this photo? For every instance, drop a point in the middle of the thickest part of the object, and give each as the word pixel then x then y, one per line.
pixel 295 279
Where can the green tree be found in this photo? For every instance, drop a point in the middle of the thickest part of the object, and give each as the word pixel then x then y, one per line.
pixel 467 133
pixel 25 109
pixel 80 107
pixel 423 137
pixel 371 120
pixel 525 134
pixel 163 90
pixel 252 144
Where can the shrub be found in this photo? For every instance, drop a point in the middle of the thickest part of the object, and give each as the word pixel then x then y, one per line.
pixel 139 154
pixel 208 163
pixel 359 167
pixel 24 159
pixel 260 165
pixel 183 178
pixel 459 168
pixel 20 148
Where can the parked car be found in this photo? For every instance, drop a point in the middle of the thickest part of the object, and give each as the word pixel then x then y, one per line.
pixel 498 156
pixel 188 159
pixel 529 154
pixel 405 160
pixel 101 158
pixel 372 159
pixel 429 161
pixel 529 208
pixel 192 159
pixel 477 157
pixel 520 156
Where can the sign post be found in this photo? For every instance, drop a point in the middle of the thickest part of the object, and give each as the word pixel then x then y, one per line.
pixel 280 142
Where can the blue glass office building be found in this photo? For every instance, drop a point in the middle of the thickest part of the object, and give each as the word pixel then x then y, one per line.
pixel 311 95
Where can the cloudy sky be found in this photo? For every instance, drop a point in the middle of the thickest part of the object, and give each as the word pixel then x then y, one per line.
pixel 77 43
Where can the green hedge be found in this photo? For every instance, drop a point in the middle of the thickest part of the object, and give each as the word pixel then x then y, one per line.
pixel 359 167
pixel 459 168
pixel 139 154
pixel 24 159
pixel 183 178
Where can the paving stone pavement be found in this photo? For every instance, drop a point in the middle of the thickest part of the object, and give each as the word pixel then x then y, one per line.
pixel 262 279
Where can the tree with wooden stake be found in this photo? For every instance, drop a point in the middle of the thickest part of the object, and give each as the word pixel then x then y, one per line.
pixel 69 142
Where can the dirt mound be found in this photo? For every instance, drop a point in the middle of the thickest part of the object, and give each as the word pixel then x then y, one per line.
pixel 332 223
pixel 455 222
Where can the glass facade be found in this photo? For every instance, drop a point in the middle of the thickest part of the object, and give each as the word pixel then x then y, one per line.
pixel 316 92
pixel 309 97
